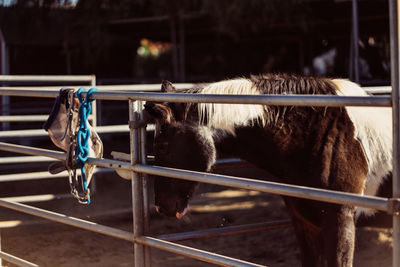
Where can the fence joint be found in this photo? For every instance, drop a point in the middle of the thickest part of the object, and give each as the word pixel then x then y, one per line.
pixel 394 206
pixel 137 124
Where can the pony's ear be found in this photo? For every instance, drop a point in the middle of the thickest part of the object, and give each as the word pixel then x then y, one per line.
pixel 160 112
pixel 167 87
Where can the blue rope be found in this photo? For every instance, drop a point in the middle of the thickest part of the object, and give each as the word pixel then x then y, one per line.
pixel 83 135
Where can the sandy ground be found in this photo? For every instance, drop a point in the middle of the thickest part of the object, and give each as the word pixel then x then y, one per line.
pixel 53 244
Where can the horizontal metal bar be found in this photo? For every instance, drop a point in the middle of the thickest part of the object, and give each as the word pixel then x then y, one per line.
pixel 102 214
pixel 14 118
pixel 142 87
pixel 122 128
pixel 41 132
pixel 33 151
pixel 226 161
pixel 24 159
pixel 193 252
pixel 251 184
pixel 17 261
pixel 22 133
pixel 378 89
pixel 118 87
pixel 269 187
pixel 47 78
pixel 224 231
pixel 231 181
pixel 26 118
pixel 280 100
pixel 36 198
pixel 62 218
pixel 44 87
pixel 31 176
pixel 39 175
pixel 29 93
pixel 157 87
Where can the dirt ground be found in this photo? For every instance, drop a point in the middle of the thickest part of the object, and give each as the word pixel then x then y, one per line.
pixel 53 244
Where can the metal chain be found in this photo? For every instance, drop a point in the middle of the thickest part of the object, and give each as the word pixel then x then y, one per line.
pixel 71 162
pixel 82 141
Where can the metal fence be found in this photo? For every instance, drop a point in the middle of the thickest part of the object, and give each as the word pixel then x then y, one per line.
pixel 141 237
pixel 6 118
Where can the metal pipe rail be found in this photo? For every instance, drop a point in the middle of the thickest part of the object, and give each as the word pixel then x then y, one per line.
pixel 118 87
pixel 47 78
pixel 17 261
pixel 378 203
pixel 39 175
pixel 5 121
pixel 138 166
pixel 24 159
pixel 228 230
pixel 378 89
pixel 124 235
pixel 24 118
pixel 156 88
pixel 36 198
pixel 278 100
pixel 394 22
pixel 123 128
pixel 193 253
pixel 72 221
pixel 330 196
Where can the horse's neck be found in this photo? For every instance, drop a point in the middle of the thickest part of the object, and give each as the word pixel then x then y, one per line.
pixel 253 144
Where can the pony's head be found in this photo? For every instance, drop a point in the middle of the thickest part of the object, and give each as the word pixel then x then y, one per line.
pixel 178 144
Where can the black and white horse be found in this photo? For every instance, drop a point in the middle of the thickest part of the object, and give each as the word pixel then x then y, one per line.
pixel 344 149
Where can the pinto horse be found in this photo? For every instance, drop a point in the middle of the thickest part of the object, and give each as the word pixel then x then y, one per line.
pixel 344 149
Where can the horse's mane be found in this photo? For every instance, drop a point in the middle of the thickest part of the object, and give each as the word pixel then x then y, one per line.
pixel 293 84
pixel 229 116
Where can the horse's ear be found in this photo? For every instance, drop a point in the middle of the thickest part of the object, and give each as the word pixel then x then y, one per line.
pixel 167 87
pixel 160 112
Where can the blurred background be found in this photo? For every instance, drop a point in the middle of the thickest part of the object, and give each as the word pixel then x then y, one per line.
pixel 145 41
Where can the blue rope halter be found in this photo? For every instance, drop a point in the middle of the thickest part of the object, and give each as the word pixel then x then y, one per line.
pixel 83 135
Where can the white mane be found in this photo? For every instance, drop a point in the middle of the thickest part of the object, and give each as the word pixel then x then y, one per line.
pixel 229 116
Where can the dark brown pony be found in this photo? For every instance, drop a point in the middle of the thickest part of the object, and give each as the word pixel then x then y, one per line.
pixel 343 149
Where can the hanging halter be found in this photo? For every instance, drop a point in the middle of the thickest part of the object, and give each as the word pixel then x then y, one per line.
pixel 69 130
pixel 80 145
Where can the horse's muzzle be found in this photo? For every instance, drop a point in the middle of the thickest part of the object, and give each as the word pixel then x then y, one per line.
pixel 178 214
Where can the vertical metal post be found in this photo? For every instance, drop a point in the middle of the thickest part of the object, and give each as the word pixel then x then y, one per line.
pixel 356 56
pixel 137 193
pixel 5 100
pixel 145 183
pixel 93 186
pixel 94 104
pixel 351 56
pixel 182 73
pixel 394 50
pixel 1 261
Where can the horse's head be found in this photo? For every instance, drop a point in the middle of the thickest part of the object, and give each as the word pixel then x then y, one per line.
pixel 178 144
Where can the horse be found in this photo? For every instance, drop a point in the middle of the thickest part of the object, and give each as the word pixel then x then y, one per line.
pixel 346 149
